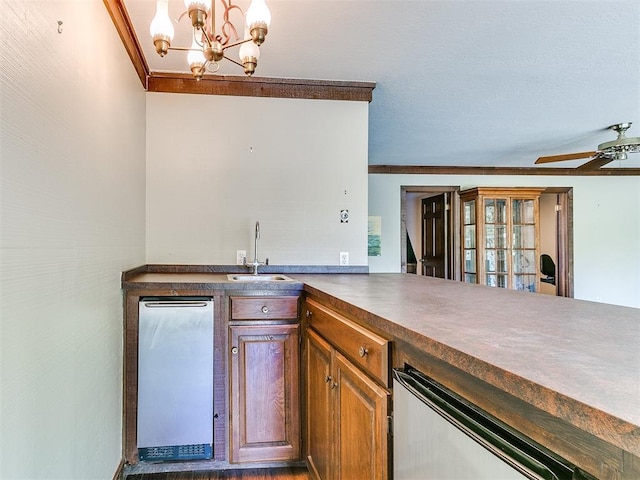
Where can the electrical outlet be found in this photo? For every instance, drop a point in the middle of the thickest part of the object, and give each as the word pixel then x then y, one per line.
pixel 344 258
pixel 240 256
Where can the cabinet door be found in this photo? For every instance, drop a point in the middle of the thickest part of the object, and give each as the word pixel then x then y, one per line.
pixel 319 421
pixel 264 384
pixel 361 427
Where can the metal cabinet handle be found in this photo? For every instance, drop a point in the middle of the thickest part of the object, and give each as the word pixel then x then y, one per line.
pixel 265 309
pixel 362 351
pixel 234 350
pixel 327 379
pixel 333 385
pixel 309 313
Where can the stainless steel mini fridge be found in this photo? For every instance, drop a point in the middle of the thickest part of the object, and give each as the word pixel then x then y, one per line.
pixel 175 378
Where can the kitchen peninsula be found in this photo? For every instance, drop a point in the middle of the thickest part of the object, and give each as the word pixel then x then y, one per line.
pixel 564 372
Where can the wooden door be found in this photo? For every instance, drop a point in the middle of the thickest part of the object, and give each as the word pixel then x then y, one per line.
pixel 265 423
pixel 361 427
pixel 434 236
pixel 319 420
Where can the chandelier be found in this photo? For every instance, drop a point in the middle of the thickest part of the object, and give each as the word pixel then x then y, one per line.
pixel 208 48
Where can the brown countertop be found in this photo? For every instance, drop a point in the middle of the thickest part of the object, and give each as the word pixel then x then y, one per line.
pixel 577 360
pixel 184 281
pixel 214 277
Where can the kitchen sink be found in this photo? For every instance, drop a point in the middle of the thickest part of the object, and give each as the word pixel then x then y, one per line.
pixel 247 277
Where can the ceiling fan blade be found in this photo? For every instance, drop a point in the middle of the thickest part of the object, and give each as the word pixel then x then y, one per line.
pixel 596 163
pixel 568 156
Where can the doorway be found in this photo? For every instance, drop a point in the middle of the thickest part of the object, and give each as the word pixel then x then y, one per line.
pixel 429 225
pixel 436 231
pixel 430 233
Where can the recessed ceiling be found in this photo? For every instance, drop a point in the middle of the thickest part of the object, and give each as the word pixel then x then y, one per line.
pixel 458 82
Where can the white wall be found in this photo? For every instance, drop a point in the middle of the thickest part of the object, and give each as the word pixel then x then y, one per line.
pixel 606 227
pixel 72 218
pixel 216 165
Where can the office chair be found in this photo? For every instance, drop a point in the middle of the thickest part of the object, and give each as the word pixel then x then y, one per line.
pixel 548 269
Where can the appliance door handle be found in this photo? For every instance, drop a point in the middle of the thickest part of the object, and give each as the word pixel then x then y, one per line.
pixel 494 438
pixel 186 303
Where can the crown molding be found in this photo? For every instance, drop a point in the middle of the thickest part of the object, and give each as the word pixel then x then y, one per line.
pixel 228 84
pixel 549 171
pixel 122 22
pixel 261 87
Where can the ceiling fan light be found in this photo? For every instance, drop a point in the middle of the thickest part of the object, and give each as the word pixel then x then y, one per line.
pixel 626 144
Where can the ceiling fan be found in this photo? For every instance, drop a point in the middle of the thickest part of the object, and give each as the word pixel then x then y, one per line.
pixel 607 152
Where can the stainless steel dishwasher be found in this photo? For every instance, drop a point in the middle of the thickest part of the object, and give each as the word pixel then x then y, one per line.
pixel 439 435
pixel 175 378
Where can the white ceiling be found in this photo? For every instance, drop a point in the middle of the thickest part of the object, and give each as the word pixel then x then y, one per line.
pixel 458 82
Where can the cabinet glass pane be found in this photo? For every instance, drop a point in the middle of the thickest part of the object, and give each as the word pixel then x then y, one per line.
pixel 525 282
pixel 501 210
pixel 490 261
pixel 495 210
pixel 501 237
pixel 470 277
pixel 469 236
pixel 496 261
pixel 496 280
pixel 469 212
pixel 524 261
pixel 470 261
pixel 524 236
pixel 501 261
pixel 522 211
pixel 490 210
pixel 495 236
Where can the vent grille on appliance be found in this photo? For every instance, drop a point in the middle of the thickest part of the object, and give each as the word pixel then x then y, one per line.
pixel 175 452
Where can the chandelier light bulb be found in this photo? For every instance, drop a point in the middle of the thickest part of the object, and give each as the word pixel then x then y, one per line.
pixel 248 49
pixel 258 20
pixel 161 29
pixel 249 54
pixel 196 60
pixel 258 13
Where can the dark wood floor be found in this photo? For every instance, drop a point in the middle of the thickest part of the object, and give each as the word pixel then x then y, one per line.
pixel 298 473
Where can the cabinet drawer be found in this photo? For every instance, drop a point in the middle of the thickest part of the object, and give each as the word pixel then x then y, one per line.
pixel 261 308
pixel 363 347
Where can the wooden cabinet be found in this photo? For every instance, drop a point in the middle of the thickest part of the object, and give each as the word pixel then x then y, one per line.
pixel 347 404
pixel 500 237
pixel 319 418
pixel 264 380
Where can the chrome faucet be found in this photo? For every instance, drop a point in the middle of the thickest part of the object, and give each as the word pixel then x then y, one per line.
pixel 255 264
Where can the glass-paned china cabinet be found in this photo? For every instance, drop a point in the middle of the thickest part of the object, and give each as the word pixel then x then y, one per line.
pixel 500 237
